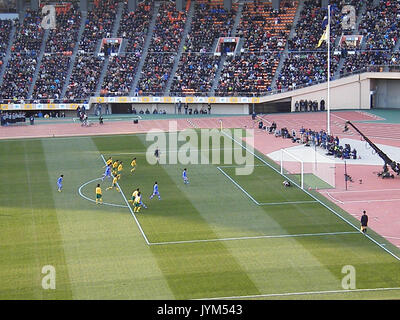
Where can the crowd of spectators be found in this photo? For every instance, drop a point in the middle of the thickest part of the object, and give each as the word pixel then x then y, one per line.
pixel 122 69
pixel 380 24
pixel 365 61
pixel 163 49
pixel 120 74
pixel 18 76
pixel 8 118
pixel 29 35
pixel 247 74
pixel 134 26
pixel 22 63
pixel 51 78
pixel 310 28
pixel 168 29
pixel 210 22
pixel 328 142
pixel 198 64
pixel 5 30
pixel 265 29
pixel 303 69
pixel 85 76
pixel 195 74
pixel 98 24
pixel 63 38
pixel 309 137
pixel 264 32
pixel 155 73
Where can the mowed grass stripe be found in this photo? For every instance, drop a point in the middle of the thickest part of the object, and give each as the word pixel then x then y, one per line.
pixel 193 270
pixel 333 252
pixel 229 212
pixel 29 231
pixel 105 253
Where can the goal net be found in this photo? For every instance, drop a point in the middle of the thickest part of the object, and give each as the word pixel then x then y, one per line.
pixel 308 168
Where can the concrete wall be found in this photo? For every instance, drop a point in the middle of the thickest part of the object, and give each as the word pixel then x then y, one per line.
pixel 352 92
pixel 387 93
pixel 345 93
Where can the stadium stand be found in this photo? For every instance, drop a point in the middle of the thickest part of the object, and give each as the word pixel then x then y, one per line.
pixel 198 64
pixel 121 69
pixel 22 64
pixel 275 51
pixel 163 49
pixel 265 32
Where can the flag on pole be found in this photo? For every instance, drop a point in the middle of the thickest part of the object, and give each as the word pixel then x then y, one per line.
pixel 325 25
pixel 324 37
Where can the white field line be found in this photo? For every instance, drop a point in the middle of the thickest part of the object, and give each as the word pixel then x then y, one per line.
pixel 257 237
pixel 237 185
pixel 287 294
pixel 87 198
pixel 130 209
pixel 312 196
pixel 286 202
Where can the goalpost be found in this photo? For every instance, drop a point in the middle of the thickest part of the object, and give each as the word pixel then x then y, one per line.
pixel 308 168
pixel 292 167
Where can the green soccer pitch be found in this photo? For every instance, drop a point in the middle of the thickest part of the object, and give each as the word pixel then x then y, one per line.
pixel 222 236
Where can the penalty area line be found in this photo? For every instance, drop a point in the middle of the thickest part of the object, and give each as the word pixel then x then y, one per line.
pixel 237 185
pixel 129 207
pixel 312 196
pixel 256 237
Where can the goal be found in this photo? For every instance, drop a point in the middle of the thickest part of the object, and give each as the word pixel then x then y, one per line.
pixel 308 168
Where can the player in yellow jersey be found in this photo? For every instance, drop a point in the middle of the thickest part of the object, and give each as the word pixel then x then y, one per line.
pixel 99 197
pixel 108 162
pixel 133 164
pixel 119 170
pixel 114 167
pixel 136 203
pixel 114 184
pixel 134 194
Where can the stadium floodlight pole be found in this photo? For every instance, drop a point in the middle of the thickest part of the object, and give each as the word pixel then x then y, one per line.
pixel 328 41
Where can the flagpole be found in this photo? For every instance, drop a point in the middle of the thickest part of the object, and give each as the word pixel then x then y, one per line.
pixel 328 40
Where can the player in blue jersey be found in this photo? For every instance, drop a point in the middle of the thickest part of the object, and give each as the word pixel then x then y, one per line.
pixel 155 191
pixel 185 177
pixel 59 183
pixel 157 155
pixel 107 173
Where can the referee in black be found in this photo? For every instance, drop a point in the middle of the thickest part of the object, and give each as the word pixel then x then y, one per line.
pixel 364 222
